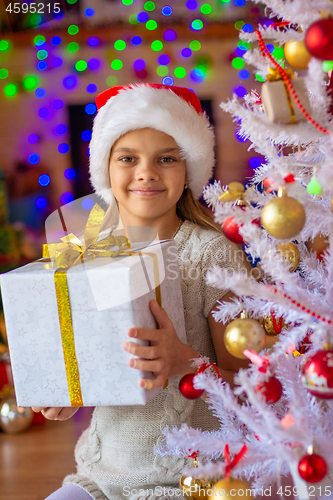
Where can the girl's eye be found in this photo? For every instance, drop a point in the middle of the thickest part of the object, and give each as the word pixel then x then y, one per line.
pixel 167 159
pixel 126 159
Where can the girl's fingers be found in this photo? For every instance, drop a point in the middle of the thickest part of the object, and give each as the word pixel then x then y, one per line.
pixel 147 352
pixel 154 366
pixel 149 383
pixel 144 333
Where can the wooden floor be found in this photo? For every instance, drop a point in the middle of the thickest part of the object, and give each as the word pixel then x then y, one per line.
pixel 34 463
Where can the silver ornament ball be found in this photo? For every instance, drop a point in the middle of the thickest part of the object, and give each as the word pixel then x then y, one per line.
pixel 14 419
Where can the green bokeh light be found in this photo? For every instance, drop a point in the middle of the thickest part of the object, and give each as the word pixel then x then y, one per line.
pixel 117 64
pixel 259 77
pixel 133 19
pixel 3 73
pixel 120 45
pixel 151 25
pixel 243 44
pixel 238 63
pixel 162 70
pixel 10 90
pixel 206 8
pixel 35 20
pixel 327 66
pixel 239 25
pixel 71 1
pixel 180 72
pixel 197 24
pixel 195 45
pixel 39 38
pixel 314 187
pixel 42 54
pixel 81 65
pixel 157 45
pixel 73 29
pixel 127 2
pixel 73 47
pixel 4 45
pixel 30 82
pixel 278 52
pixel 149 6
pixel 111 80
pixel 201 69
pixel 225 1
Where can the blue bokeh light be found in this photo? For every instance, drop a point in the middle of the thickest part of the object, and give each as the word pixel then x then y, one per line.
pixel 167 80
pixel 60 129
pixel 239 137
pixel 43 112
pixel 91 88
pixel 197 75
pixel 93 41
pixel 33 138
pixel 57 62
pixel 69 82
pixel 166 10
pixel 191 4
pixel 87 203
pixel 247 28
pixel 255 162
pixel 63 148
pixel 41 202
pixel 170 35
pixel 186 52
pixel 239 3
pixel 69 173
pixel 94 63
pixel 40 93
pixel 56 40
pixel 66 198
pixel 86 135
pixel 163 60
pixel 240 91
pixel 89 12
pixel 142 17
pixel 58 104
pixel 44 180
pixel 136 40
pixel 41 65
pixel 33 158
pixel 139 64
pixel 90 108
pixel 244 74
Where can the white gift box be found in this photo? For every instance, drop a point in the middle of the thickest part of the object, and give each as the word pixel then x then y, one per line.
pixel 275 101
pixel 107 297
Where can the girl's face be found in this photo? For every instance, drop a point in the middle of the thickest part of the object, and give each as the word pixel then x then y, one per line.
pixel 147 176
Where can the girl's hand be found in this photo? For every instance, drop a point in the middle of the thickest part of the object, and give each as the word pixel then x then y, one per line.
pixel 166 356
pixel 56 413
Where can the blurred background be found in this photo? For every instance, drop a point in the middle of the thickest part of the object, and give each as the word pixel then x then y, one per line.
pixel 54 62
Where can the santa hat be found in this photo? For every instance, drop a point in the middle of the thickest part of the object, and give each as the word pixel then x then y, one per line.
pixel 176 111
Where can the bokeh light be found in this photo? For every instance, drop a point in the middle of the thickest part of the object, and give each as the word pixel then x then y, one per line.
pixel 136 40
pixel 180 72
pixel 139 64
pixel 89 12
pixel 41 65
pixel 42 54
pixel 142 17
pixel 278 52
pixel 239 137
pixel 127 2
pixel 164 59
pixel 58 104
pixel 87 203
pixel 111 80
pixel 191 4
pixel 255 162
pixel 66 198
pixel 63 148
pixel 195 45
pixel 327 66
pixel 91 88
pixel 86 135
pixel 33 158
pixel 69 82
pixel 10 90
pixel 169 35
pixel 39 40
pixel 61 129
pixel 239 3
pixel 168 80
pixel 150 6
pixel 40 93
pixel 162 70
pixel 156 45
pixel 197 75
pixel 30 82
pixel 119 45
pixel 90 108
pixel 240 91
pixel 244 74
pixel 93 41
pixel 196 25
pixel 206 8
pixel 57 62
pixel 73 29
pixel 43 112
pixel 41 202
pixel 44 180
pixel 116 64
pixel 238 63
pixel 247 28
pixel 3 73
pixel 151 25
pixel 81 65
pixel 73 47
pixel 69 173
pixel 4 45
pixel 239 25
pixel 33 139
pixel 186 52
pixel 56 40
pixel 94 64
pixel 166 10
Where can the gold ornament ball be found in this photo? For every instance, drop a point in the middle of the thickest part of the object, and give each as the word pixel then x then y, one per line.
pixel 243 334
pixel 231 488
pixel 283 217
pixel 14 419
pixel 290 254
pixel 194 487
pixel 297 54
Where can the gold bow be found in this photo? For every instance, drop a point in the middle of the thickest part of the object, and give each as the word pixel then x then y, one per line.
pixel 71 251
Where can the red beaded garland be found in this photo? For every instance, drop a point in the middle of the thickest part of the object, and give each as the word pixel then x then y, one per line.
pixel 312 468
pixel 187 388
pixel 265 52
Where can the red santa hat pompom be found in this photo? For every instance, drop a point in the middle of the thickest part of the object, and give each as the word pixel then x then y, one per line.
pixel 176 111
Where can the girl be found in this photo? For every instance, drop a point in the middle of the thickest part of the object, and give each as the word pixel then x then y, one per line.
pixel 154 146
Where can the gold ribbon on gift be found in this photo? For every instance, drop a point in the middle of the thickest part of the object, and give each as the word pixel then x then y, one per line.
pixel 72 252
pixel 275 75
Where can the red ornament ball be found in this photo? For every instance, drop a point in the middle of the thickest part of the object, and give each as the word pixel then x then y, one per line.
pixel 271 390
pixel 312 468
pixel 319 39
pixel 231 230
pixel 187 388
pixel 317 374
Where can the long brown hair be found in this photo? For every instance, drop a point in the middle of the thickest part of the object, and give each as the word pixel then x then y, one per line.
pixel 188 208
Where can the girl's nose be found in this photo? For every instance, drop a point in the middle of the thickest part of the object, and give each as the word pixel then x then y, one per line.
pixel 146 171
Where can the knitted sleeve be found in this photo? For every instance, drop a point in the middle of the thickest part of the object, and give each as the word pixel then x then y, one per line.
pixel 225 254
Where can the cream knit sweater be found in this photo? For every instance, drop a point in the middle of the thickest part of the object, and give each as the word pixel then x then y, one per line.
pixel 115 458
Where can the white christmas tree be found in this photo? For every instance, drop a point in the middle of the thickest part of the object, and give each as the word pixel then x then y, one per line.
pixel 289 123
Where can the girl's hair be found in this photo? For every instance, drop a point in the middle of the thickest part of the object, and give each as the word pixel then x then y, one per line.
pixel 189 208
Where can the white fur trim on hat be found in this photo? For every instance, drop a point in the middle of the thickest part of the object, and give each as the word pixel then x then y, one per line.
pixel 141 106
